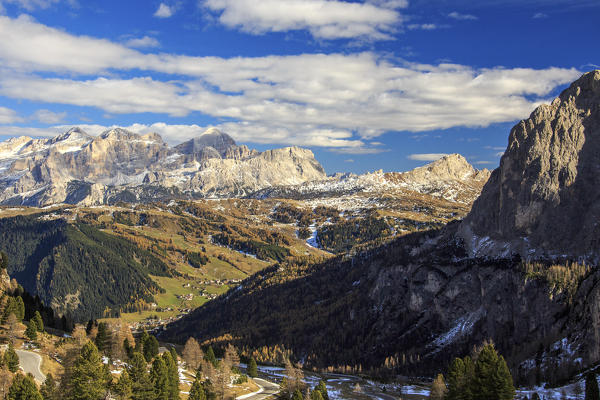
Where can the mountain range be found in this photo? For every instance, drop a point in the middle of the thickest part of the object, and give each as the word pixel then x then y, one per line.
pixel 513 271
pixel 119 165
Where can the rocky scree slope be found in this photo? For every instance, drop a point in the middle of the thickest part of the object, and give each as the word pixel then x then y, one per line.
pixel 119 165
pixel 544 199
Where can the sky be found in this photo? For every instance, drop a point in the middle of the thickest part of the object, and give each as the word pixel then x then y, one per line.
pixel 366 85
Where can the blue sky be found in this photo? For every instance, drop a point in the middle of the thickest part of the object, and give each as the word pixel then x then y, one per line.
pixel 372 84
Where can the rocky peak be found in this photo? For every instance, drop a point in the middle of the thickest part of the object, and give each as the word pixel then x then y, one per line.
pixel 73 135
pixel 543 199
pixel 212 137
pixel 118 134
pixel 448 168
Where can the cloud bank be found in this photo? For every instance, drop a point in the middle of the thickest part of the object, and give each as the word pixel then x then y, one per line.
pixel 335 100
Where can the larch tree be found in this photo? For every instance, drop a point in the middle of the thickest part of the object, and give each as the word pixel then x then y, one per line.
pixel 6 378
pixel 294 377
pixel 192 353
pixel 438 388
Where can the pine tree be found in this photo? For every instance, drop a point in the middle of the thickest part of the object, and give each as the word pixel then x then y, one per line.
pixel 316 395
pixel 505 389
pixel 322 389
pixel 23 388
pixel 124 387
pixel 11 359
pixel 591 387
pixel 39 322
pixel 90 377
pixel 139 345
pixel 103 338
pixel 197 391
pixel 210 356
pixel 142 385
pixel 438 388
pixel 19 308
pixel 32 330
pixel 297 395
pixel 252 368
pixel 160 379
pixel 172 375
pixel 49 389
pixel 492 379
pixel 150 346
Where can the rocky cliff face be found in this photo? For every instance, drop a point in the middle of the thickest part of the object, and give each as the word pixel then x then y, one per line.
pixel 120 165
pixel 543 199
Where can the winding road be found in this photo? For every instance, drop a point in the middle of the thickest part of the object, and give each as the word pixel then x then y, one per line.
pixel 30 363
pixel 267 390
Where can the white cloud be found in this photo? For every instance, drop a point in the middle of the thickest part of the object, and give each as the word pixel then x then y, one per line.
pixel 426 156
pixel 459 16
pixel 164 11
pixel 499 154
pixel 8 116
pixel 484 162
pixel 331 100
pixel 143 42
pixel 324 19
pixel 425 27
pixel 31 5
pixel 49 117
pixel 540 15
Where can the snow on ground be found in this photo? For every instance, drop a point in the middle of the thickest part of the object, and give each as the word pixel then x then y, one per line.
pixel 462 326
pixel 312 240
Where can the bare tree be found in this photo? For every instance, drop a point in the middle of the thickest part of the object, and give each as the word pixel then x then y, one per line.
pixel 192 353
pixel 5 381
pixel 120 332
pixel 79 335
pixel 13 328
pixel 294 377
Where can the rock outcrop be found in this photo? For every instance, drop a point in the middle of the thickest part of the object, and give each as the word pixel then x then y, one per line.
pixel 543 200
pixel 119 165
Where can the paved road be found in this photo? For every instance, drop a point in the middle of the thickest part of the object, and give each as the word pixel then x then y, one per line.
pixel 267 390
pixel 30 363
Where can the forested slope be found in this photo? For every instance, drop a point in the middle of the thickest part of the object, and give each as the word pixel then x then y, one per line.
pixel 76 268
pixel 406 307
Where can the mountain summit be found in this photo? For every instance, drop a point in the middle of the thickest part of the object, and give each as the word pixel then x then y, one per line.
pixel 543 200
